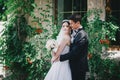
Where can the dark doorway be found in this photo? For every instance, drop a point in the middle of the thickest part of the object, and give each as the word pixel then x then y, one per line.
pixel 115 12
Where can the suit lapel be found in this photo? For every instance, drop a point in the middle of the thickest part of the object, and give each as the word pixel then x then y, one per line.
pixel 78 32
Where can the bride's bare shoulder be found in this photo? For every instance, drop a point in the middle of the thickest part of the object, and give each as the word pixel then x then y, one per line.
pixel 66 37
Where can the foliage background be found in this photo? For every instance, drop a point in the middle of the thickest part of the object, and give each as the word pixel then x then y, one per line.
pixel 3 16
pixel 23 45
pixel 100 35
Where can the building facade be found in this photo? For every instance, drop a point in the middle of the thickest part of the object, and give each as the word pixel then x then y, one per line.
pixel 62 9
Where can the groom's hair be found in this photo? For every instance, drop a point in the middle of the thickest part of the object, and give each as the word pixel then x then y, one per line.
pixel 75 17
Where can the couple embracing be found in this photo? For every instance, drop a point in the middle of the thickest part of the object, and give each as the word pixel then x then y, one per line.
pixel 70 60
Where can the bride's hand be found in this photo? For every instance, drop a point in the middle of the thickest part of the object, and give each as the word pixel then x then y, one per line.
pixel 53 53
pixel 54 59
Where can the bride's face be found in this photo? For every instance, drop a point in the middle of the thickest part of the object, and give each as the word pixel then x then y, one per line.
pixel 66 27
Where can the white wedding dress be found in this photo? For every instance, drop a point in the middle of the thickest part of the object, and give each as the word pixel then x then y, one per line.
pixel 60 70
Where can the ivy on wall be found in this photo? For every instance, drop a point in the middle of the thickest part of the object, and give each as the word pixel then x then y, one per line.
pixel 23 45
pixel 3 16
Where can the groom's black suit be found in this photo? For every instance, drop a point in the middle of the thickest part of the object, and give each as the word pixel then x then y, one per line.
pixel 78 55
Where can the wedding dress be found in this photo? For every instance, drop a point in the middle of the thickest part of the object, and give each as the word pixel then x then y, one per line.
pixel 60 70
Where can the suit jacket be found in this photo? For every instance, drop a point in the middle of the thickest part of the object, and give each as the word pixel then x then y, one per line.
pixel 77 55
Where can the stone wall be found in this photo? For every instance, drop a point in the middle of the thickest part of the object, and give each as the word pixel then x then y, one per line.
pixel 97 4
pixel 41 4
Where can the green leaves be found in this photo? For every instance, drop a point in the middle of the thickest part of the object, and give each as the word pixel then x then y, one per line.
pixel 19 6
pixel 24 46
pixel 98 31
pixel 17 49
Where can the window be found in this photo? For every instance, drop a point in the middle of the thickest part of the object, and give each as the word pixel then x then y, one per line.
pixel 67 7
pixel 74 6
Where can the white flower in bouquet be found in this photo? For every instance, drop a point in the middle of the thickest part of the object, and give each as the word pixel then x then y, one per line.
pixel 52 44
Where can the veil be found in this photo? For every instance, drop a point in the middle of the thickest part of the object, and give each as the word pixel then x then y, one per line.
pixel 60 36
pixel 61 33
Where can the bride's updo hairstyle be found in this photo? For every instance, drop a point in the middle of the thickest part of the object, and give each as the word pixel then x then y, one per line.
pixel 66 21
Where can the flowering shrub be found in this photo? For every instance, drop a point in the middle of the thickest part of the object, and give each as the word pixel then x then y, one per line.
pixel 100 34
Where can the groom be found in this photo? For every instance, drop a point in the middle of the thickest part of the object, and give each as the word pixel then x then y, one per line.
pixel 77 55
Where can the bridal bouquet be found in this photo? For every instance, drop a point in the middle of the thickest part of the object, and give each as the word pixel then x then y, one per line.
pixel 52 44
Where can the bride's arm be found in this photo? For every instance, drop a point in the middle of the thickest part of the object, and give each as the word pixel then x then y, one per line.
pixel 64 42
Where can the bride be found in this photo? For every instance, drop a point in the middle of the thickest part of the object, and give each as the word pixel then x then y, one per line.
pixel 61 70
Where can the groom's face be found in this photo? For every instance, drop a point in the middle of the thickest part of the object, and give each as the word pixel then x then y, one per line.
pixel 73 24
